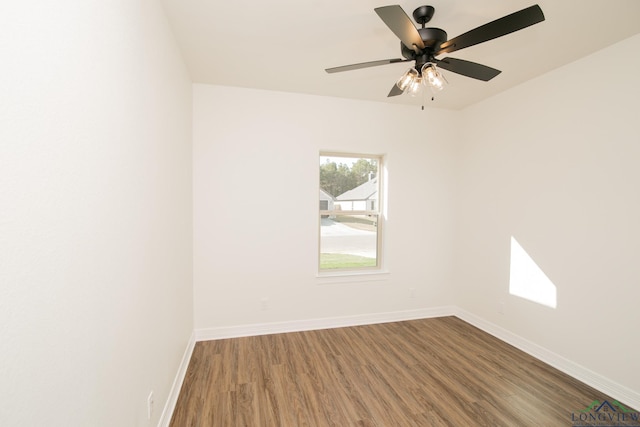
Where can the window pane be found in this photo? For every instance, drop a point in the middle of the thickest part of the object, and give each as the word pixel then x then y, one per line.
pixel 349 183
pixel 348 241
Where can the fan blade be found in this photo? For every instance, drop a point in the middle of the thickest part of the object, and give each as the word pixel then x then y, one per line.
pixel 401 25
pixel 365 65
pixel 494 29
pixel 395 91
pixel 468 68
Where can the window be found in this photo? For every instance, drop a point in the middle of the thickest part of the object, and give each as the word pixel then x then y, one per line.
pixel 350 218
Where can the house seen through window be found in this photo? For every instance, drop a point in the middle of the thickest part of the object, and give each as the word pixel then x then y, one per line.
pixel 350 219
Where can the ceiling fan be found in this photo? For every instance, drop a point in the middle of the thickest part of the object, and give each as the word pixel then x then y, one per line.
pixel 424 44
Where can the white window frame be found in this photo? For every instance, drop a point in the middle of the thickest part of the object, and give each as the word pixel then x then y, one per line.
pixel 379 213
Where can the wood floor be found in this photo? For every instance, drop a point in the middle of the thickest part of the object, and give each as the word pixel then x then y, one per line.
pixel 431 372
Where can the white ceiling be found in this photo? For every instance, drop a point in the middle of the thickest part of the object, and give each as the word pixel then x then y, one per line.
pixel 285 45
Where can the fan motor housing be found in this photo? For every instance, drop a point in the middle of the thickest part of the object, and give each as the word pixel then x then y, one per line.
pixel 432 39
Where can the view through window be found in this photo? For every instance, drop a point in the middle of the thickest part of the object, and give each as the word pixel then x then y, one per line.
pixel 350 219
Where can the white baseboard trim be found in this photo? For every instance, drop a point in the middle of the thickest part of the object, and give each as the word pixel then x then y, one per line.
pixel 207 334
pixel 619 392
pixel 172 399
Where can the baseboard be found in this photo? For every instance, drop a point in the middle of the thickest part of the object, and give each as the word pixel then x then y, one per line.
pixel 323 323
pixel 172 399
pixel 621 393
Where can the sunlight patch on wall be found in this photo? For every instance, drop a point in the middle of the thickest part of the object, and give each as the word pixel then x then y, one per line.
pixel 527 280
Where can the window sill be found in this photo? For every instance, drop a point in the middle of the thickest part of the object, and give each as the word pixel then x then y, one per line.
pixel 351 276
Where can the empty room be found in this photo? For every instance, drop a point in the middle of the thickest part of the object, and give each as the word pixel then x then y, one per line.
pixel 290 213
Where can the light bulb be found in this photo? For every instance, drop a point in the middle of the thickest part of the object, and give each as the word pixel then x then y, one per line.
pixel 407 78
pixel 415 86
pixel 432 77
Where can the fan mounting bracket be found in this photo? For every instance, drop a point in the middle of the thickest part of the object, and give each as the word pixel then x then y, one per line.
pixel 423 14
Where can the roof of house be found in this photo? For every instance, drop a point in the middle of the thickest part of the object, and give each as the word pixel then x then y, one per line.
pixel 325 196
pixel 366 191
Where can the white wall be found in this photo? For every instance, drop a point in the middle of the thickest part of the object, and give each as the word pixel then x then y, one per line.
pixel 95 216
pixel 555 163
pixel 256 157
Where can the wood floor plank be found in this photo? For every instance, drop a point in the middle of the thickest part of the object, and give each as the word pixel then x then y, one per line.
pixel 290 401
pixel 430 372
pixel 248 413
pixel 344 379
pixel 270 414
pixel 247 367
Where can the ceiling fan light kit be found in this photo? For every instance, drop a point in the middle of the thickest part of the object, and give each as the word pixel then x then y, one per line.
pixel 423 45
pixel 412 81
